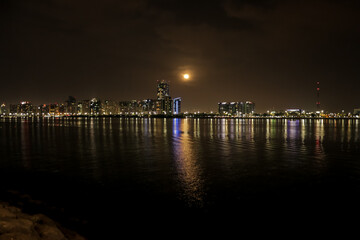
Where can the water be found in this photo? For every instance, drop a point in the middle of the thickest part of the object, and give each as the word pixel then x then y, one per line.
pixel 100 175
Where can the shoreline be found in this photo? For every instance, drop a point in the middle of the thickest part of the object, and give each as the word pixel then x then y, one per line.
pixel 180 117
pixel 16 224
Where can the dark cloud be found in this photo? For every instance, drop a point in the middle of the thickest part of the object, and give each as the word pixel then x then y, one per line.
pixel 190 13
pixel 271 52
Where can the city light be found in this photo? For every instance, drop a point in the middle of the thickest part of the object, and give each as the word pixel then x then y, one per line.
pixel 162 106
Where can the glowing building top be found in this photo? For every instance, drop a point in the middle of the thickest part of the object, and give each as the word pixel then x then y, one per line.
pixel 163 90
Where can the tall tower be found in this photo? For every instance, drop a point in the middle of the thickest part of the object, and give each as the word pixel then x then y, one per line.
pixel 318 96
pixel 163 90
pixel 164 101
pixel 177 105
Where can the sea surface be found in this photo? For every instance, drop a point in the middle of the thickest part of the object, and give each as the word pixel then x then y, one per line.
pixel 106 175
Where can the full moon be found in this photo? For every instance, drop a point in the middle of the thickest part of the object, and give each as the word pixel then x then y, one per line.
pixel 186 76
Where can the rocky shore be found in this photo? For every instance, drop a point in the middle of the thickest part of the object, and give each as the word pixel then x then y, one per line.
pixel 16 225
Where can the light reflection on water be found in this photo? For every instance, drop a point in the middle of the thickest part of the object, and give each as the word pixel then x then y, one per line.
pixel 185 157
pixel 195 160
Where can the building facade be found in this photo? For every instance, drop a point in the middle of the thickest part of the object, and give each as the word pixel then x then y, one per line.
pixel 3 109
pixel 95 107
pixel 177 105
pixel 110 107
pixel 70 106
pixel 163 105
pixel 239 109
pixel 83 107
pixel 164 101
pixel 163 90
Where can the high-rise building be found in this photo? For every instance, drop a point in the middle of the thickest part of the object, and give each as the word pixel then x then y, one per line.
pixel 62 109
pixel 163 104
pixel 13 109
pixel 45 109
pixel 249 107
pixel 135 106
pixel 3 109
pixel 242 109
pixel 233 108
pixel 177 105
pixel 148 106
pixel 124 107
pixel 83 107
pixel 79 108
pixel 110 107
pixel 95 106
pixel 164 101
pixel 162 90
pixel 236 108
pixel 167 105
pixel 223 108
pixel 53 109
pixel 130 107
pixel 70 106
pixel 37 110
pixel 24 108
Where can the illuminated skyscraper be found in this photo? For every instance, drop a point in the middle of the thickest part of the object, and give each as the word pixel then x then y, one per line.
pixel 83 107
pixel 3 109
pixel 124 107
pixel 71 106
pixel 163 90
pixel 95 106
pixel 148 106
pixel 24 108
pixel 223 108
pixel 249 107
pixel 53 109
pixel 177 105
pixel 163 104
pixel 164 101
pixel 44 109
pixel 110 107
pixel 236 108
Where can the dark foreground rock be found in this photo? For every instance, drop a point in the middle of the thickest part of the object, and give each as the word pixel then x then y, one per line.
pixel 16 225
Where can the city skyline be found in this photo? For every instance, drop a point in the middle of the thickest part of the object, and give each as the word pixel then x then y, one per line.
pixel 162 104
pixel 270 52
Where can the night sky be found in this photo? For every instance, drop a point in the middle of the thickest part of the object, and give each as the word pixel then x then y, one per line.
pixel 270 52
